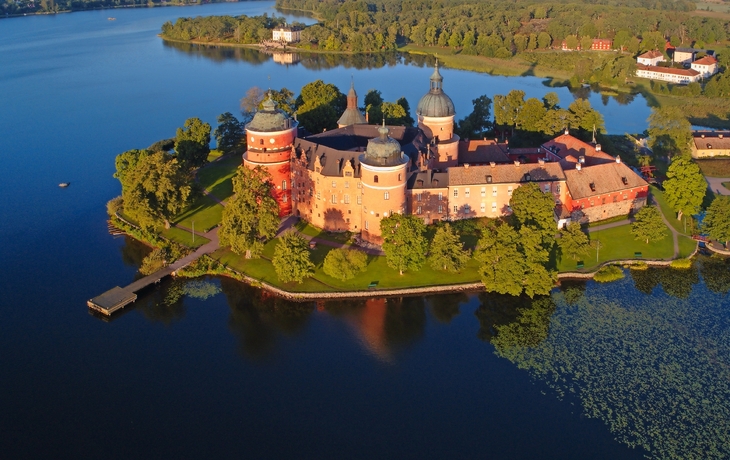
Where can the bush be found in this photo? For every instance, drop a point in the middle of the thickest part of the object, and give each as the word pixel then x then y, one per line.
pixel 682 264
pixel 155 260
pixel 639 266
pixel 608 273
pixel 114 205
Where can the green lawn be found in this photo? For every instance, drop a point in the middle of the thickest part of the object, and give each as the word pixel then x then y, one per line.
pixel 214 155
pixel 216 177
pixel 205 212
pixel 726 185
pixel 669 214
pixel 715 168
pixel 686 246
pixel 310 230
pixel 184 237
pixel 619 243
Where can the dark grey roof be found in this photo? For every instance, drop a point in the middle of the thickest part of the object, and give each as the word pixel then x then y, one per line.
pixel 435 103
pixel 383 150
pixel 351 116
pixel 428 179
pixel 270 119
pixel 337 146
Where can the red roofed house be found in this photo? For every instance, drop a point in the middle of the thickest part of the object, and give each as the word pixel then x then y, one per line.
pixel 603 191
pixel 570 151
pixel 679 76
pixel 602 44
pixel 650 58
pixel 706 66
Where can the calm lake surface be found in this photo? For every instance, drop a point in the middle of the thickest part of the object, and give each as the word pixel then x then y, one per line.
pixel 213 368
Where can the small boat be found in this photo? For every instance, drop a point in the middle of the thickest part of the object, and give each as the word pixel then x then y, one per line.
pixel 64 184
pixel 111 19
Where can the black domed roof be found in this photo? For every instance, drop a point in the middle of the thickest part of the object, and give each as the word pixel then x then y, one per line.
pixel 435 103
pixel 383 150
pixel 270 118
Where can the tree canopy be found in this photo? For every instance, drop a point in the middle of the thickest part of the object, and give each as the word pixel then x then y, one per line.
pixel 573 241
pixel 344 264
pixel 685 186
pixel 669 131
pixel 251 215
pixel 478 122
pixel 155 190
pixel 192 144
pixel 319 106
pixel 230 132
pixel 291 258
pixel 648 225
pixel 446 251
pixel 404 242
pixel 717 219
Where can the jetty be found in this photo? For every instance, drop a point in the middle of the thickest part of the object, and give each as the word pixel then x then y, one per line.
pixel 117 297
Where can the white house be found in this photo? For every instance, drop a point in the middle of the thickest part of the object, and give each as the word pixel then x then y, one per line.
pixel 287 34
pixel 677 76
pixel 706 66
pixel 650 58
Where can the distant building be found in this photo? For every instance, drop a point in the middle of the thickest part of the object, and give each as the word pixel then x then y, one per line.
pixel 287 34
pixel 598 44
pixel 669 74
pixel 651 58
pixel 687 55
pixel 706 66
pixel 710 144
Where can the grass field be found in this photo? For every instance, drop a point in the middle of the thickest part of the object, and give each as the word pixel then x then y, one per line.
pixel 715 168
pixel 310 230
pixel 184 237
pixel 686 246
pixel 216 177
pixel 619 243
pixel 205 212
pixel 669 214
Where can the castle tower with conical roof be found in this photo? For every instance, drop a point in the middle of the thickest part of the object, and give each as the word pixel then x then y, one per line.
pixel 383 169
pixel 436 114
pixel 351 115
pixel 270 137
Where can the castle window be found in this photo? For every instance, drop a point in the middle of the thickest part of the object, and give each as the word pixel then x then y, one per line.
pixel 283 185
pixel 593 186
pixel 456 192
pixel 467 209
pixel 386 195
pixel 319 197
pixel 494 206
pixel 347 199
pixel 528 178
pixel 375 179
pixel 334 184
pixel 348 173
pixel 547 188
pixel 334 199
pixel 441 197
pixel 456 209
pixel 418 197
pixel 441 209
pixel 347 184
pixel 418 210
pixel 399 177
pixel 419 182
pixel 318 169
pixel 557 188
pixel 483 207
pixel 625 181
pixel 467 193
pixel 509 190
pixel 261 142
pixel 489 179
pixel 484 191
pixel 359 184
pixel 359 199
pixel 366 225
pixel 494 191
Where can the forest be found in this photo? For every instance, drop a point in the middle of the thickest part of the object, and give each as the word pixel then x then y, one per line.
pixel 11 7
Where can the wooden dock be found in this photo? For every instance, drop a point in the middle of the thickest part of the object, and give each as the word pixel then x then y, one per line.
pixel 119 297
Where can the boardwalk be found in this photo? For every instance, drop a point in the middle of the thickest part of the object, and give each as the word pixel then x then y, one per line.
pixel 118 297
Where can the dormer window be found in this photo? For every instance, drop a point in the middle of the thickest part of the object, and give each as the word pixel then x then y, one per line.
pixel 625 180
pixel 593 186
pixel 489 179
pixel 419 182
pixel 375 179
pixel 528 178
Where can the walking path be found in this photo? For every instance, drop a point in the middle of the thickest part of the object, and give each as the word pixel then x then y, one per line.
pixel 675 233
pixel 291 221
pixel 716 186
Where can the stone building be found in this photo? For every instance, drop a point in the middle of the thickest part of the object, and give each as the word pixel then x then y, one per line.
pixel 435 114
pixel 710 144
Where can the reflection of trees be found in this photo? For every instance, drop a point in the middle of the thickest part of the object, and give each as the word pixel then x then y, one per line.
pixel 164 304
pixel 405 320
pixel 573 291
pixel 220 53
pixel 445 307
pixel 258 316
pixel 675 282
pixel 716 274
pixel 530 328
pixel 496 310
pixel 133 252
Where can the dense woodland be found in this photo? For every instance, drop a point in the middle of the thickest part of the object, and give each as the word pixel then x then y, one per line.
pixel 55 6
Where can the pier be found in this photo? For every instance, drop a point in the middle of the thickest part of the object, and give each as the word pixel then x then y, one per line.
pixel 117 297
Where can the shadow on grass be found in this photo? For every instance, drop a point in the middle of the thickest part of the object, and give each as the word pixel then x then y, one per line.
pixel 204 211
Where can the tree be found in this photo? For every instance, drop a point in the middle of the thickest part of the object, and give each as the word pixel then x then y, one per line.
pixel 344 264
pixel 573 242
pixel 447 251
pixel 477 123
pixel 250 103
pixel 685 186
pixel 156 190
pixel 544 40
pixel 319 106
pixel 506 108
pixel 649 225
pixel 408 119
pixel 374 106
pixel 126 162
pixel 717 219
pixel 291 258
pixel 404 242
pixel 251 215
pixel 669 131
pixel 531 115
pixel 284 100
pixel 584 117
pixel 533 208
pixel 229 132
pixel 551 100
pixel 192 144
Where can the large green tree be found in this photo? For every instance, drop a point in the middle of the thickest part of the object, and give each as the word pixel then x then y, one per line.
pixel 404 242
pixel 446 251
pixel 156 190
pixel 685 186
pixel 126 162
pixel 291 258
pixel 192 143
pixel 477 123
pixel 648 225
pixel 669 131
pixel 344 264
pixel 531 207
pixel 319 106
pixel 229 133
pixel 506 108
pixel 573 241
pixel 251 215
pixel 717 219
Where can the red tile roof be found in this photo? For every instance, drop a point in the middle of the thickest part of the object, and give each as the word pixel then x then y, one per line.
pixel 606 178
pixel 482 151
pixel 669 70
pixel 505 173
pixel 651 54
pixel 570 149
pixel 707 60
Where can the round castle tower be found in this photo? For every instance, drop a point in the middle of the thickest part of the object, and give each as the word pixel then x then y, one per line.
pixel 270 138
pixel 383 169
pixel 436 114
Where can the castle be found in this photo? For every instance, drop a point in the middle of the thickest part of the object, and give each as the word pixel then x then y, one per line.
pixel 350 178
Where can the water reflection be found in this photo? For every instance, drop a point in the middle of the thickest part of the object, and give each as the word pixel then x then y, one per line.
pixel 445 307
pixel 675 282
pixel 133 252
pixel 715 273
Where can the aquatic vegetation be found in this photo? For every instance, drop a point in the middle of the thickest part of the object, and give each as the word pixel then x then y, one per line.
pixel 639 266
pixel 655 369
pixel 681 264
pixel 608 273
pixel 201 289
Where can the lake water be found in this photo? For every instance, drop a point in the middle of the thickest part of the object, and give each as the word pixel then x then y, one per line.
pixel 643 363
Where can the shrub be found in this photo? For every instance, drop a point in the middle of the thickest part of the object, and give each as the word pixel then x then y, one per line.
pixel 608 273
pixel 683 264
pixel 114 205
pixel 639 266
